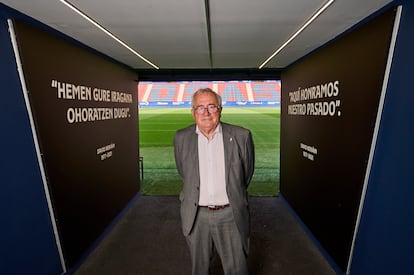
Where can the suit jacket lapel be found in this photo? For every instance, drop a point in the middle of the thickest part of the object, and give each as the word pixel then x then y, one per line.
pixel 193 147
pixel 228 148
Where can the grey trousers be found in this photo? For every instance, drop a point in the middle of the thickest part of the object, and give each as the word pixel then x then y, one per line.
pixel 216 230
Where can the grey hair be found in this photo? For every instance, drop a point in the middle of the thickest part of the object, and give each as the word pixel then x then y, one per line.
pixel 206 90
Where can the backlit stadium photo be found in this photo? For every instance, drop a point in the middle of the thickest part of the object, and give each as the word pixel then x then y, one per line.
pixel 165 107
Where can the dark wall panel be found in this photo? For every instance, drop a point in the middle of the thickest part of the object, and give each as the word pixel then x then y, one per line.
pixel 329 107
pixel 85 110
pixel 27 242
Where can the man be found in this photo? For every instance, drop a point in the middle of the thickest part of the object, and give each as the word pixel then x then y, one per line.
pixel 216 162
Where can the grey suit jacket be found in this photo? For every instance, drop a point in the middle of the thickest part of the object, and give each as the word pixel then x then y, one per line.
pixel 239 167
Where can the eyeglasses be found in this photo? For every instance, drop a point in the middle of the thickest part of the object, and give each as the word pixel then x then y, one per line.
pixel 210 108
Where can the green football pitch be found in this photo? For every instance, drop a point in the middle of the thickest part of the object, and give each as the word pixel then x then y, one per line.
pixel 157 127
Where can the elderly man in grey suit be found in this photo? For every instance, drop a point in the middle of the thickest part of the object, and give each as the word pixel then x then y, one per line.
pixel 216 162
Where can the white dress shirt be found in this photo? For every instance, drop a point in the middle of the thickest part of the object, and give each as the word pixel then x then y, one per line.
pixel 212 169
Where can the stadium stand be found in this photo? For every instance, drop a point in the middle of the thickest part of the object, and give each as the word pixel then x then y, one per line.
pixel 254 93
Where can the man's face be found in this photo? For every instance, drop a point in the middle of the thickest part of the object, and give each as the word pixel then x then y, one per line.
pixel 206 120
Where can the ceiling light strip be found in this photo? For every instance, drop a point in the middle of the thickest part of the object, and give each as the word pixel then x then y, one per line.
pixel 208 23
pixel 307 23
pixel 78 11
